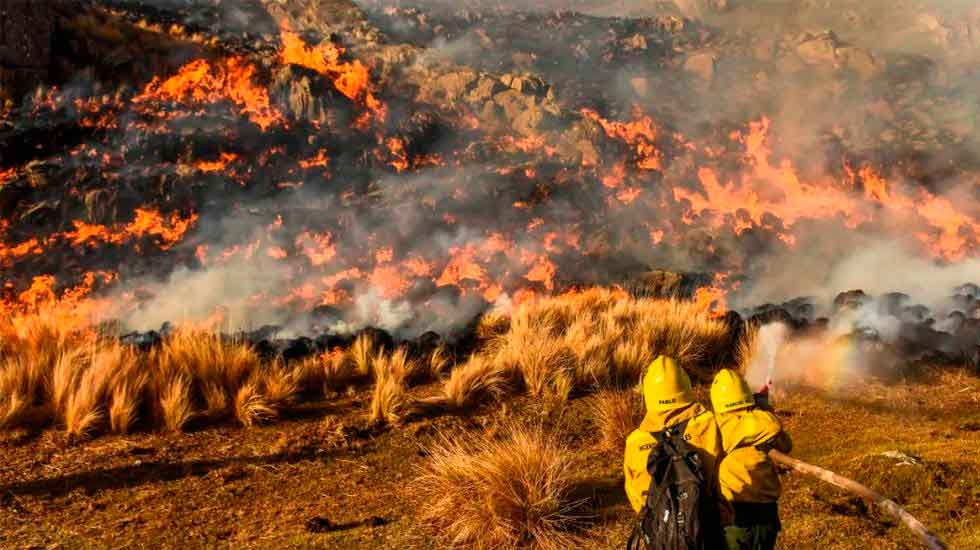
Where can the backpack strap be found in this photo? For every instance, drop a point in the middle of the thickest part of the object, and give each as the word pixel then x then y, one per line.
pixel 672 431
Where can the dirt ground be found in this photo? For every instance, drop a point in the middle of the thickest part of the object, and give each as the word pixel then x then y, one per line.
pixel 323 479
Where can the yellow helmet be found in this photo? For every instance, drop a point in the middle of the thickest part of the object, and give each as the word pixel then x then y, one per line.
pixel 666 386
pixel 730 392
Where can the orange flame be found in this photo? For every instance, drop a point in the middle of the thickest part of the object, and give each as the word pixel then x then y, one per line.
pixel 319 160
pixel 712 299
pixel 939 213
pixel 766 190
pixel 319 248
pixel 148 222
pixel 641 134
pixel 227 79
pixel 399 160
pixel 350 78
pixel 216 165
pixel 7 175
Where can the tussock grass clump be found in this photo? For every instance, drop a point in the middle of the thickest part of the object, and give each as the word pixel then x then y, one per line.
pixel 440 361
pixel 42 336
pixel 251 406
pixel 88 389
pixel 362 354
pixel 746 346
pixel 174 402
pixel 477 380
pixel 392 375
pixel 512 492
pixel 331 371
pixel 90 384
pixel 205 376
pixel 616 413
pixel 491 325
pixel 582 342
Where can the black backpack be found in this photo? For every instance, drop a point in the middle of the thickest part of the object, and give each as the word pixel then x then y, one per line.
pixel 679 513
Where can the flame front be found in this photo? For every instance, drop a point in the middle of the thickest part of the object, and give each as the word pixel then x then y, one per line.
pixel 210 168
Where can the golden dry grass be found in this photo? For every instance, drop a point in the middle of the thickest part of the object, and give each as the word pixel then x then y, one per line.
pixel 95 385
pixel 583 342
pixel 440 361
pixel 393 373
pixel 475 381
pixel 362 354
pixel 554 348
pixel 512 492
pixel 93 388
pixel 616 413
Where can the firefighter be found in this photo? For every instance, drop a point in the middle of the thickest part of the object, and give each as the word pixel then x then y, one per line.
pixel 669 400
pixel 747 477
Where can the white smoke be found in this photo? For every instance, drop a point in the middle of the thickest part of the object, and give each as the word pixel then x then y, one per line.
pixel 876 267
pixel 823 360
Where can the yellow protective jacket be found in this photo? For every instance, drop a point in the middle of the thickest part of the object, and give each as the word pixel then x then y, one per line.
pixel 746 473
pixel 701 433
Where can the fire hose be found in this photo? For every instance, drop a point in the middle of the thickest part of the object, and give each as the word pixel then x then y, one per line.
pixel 931 541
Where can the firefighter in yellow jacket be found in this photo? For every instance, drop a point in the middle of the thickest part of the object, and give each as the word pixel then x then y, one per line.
pixel 669 400
pixel 747 477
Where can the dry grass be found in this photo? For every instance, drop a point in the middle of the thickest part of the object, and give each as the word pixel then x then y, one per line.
pixel 98 387
pixel 95 385
pixel 616 413
pixel 440 361
pixel 174 403
pixel 362 354
pixel 392 375
pixel 55 372
pixel 583 342
pixel 331 371
pixel 745 347
pixel 470 384
pixel 251 406
pixel 513 492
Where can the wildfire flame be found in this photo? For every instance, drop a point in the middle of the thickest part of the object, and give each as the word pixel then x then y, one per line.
pixel 632 194
pixel 350 78
pixel 203 82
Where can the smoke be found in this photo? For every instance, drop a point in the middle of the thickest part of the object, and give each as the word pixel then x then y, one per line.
pixel 826 360
pixel 193 296
pixel 814 110
pixel 876 267
pixel 549 220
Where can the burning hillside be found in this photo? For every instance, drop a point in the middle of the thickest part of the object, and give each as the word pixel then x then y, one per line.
pixel 324 167
pixel 314 273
